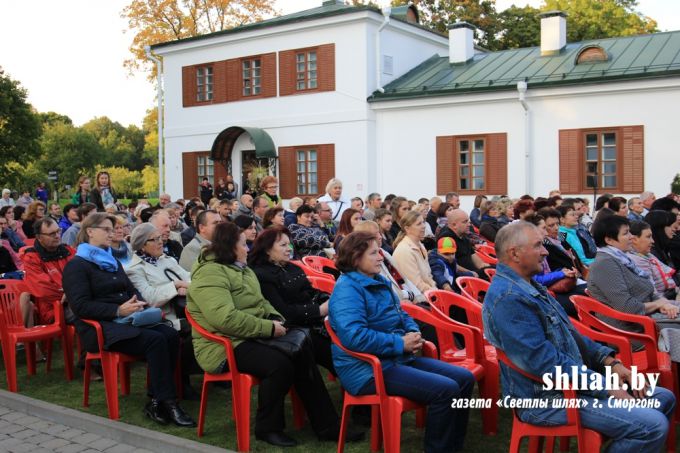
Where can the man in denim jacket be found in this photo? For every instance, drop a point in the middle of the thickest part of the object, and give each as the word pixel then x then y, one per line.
pixel 533 330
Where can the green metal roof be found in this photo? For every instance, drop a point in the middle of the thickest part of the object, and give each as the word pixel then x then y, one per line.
pixel 328 9
pixel 631 57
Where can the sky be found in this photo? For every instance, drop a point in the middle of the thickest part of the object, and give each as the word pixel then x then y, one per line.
pixel 69 54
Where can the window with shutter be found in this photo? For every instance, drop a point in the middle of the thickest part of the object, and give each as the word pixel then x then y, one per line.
pixel 307 70
pixel 305 169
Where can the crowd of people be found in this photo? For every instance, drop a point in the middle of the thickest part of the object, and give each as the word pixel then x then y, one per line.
pixel 229 259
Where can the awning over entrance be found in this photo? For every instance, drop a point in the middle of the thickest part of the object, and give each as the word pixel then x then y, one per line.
pixel 224 143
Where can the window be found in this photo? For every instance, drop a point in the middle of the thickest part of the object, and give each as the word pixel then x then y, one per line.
pixel 600 160
pixel 471 164
pixel 204 83
pixel 307 174
pixel 252 77
pixel 205 168
pixel 306 78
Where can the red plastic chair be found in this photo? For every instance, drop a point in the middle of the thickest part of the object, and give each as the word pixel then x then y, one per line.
pixel 309 272
pixel 490 272
pixel 318 263
pixel 473 288
pixel 113 365
pixel 386 410
pixel 325 285
pixel 473 358
pixel 12 331
pixel 241 385
pixel 649 360
pixel 587 440
pixel 487 254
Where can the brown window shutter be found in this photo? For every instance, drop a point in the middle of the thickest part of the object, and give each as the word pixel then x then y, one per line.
pixel 571 161
pixel 325 166
pixel 633 159
pixel 234 79
pixel 497 164
pixel 268 72
pixel 326 65
pixel 220 80
pixel 447 168
pixel 190 174
pixel 286 72
pixel 287 170
pixel 188 86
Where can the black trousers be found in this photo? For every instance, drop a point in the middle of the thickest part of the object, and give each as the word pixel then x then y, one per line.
pixel 159 345
pixel 277 373
pixel 322 351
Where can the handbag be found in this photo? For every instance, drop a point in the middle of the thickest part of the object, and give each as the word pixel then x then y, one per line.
pixel 291 343
pixel 566 285
pixel 178 303
pixel 145 318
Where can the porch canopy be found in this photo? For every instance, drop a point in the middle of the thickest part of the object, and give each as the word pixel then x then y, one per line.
pixel 224 143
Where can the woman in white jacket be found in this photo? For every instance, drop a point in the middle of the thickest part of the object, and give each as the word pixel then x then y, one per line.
pixel 157 277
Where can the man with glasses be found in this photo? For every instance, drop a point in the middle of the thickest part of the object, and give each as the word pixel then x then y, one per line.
pixel 44 265
pixel 161 220
pixel 324 218
pixel 206 223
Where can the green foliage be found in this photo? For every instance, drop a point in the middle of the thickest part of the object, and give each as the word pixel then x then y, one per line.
pixel 150 181
pixel 121 146
pixel 521 27
pixel 51 118
pixel 19 129
pixel 124 181
pixel 675 185
pixel 587 19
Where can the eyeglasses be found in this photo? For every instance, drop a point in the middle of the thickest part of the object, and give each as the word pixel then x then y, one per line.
pixel 54 234
pixel 157 240
pixel 109 230
pixel 272 187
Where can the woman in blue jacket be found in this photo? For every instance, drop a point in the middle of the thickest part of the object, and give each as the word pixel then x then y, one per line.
pixel 367 317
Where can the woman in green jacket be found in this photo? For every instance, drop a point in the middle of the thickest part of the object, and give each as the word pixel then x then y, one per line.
pixel 225 298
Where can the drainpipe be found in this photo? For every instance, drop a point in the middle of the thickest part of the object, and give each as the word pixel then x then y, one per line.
pixel 386 20
pixel 159 97
pixel 529 164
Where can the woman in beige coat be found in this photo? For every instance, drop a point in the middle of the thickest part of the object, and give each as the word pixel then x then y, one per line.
pixel 410 254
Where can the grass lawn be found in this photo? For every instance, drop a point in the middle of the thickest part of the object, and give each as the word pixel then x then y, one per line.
pixel 219 427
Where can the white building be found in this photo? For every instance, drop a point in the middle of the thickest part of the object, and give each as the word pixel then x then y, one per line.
pixel 389 106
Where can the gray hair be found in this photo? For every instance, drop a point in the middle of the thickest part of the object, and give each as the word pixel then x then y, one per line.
pixel 140 235
pixel 332 183
pixel 646 195
pixel 511 235
pixel 631 200
pixel 373 196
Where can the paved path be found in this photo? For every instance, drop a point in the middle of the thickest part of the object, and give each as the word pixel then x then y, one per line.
pixel 20 432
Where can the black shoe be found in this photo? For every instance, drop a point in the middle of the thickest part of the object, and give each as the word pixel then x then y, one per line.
pixel 277 438
pixel 177 415
pixel 154 411
pixel 332 434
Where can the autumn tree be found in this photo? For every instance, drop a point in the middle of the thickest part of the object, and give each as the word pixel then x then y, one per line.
pixel 20 129
pixel 587 19
pixel 156 21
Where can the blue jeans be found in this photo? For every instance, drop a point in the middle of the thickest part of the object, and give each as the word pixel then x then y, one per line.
pixel 435 384
pixel 641 429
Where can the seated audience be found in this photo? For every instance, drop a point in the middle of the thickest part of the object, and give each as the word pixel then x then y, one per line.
pixel 641 254
pixel 410 254
pixel 635 210
pixel 348 221
pixel 475 215
pixel 333 197
pixel 458 228
pixel 357 204
pixel 383 218
pixel 248 227
pixel 365 314
pixel 69 237
pixel 120 249
pixel 268 188
pixel 507 209
pixel 54 211
pixel 273 217
pixel 289 214
pixel 532 329
pixel 431 217
pixel 322 217
pixel 661 224
pixel 285 286
pixel 260 206
pixel 34 212
pixel 161 220
pixel 568 223
pixel 619 205
pixel 399 207
pixel 8 234
pixel 373 203
pixel 206 222
pixel 489 224
pixel 523 209
pixel 191 211
pixel 69 218
pixel 442 261
pixel 308 239
pixel 225 298
pixel 98 289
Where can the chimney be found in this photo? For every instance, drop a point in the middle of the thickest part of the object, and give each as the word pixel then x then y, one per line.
pixel 553 32
pixel 461 42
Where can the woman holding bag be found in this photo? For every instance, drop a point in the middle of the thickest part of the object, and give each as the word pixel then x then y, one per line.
pixel 97 288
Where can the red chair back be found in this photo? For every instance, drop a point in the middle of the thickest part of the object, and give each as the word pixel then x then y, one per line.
pixel 445 300
pixel 319 262
pixel 309 272
pixel 487 254
pixel 323 284
pixel 219 339
pixel 9 304
pixel 474 288
pixel 490 272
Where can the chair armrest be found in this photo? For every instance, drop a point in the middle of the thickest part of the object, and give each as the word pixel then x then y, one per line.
pixel 98 330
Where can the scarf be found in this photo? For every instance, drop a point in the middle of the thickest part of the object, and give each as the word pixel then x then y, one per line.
pixel 557 243
pixel 107 196
pixel 147 258
pixel 99 256
pixel 60 253
pixel 624 259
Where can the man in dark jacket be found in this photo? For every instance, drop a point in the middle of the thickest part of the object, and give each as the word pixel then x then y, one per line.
pixel 206 191
pixel 457 226
pixel 161 220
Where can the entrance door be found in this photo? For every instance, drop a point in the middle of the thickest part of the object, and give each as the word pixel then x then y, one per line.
pixel 252 171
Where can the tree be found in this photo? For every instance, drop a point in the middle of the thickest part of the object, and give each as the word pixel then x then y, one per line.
pixel 20 129
pixel 439 14
pixel 150 181
pixel 50 118
pixel 69 150
pixel 125 182
pixel 156 21
pixel 587 19
pixel 121 146
pixel 520 27
pixel 675 185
